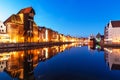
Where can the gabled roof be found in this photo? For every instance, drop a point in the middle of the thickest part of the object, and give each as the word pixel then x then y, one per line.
pixel 115 23
pixel 26 10
pixel 13 18
pixel 98 35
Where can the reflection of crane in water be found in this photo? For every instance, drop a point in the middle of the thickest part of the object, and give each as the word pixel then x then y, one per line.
pixel 22 71
pixel 21 64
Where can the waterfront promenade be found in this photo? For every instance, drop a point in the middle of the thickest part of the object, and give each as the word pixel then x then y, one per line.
pixel 32 44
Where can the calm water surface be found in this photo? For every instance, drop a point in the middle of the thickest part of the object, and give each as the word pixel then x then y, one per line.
pixel 66 62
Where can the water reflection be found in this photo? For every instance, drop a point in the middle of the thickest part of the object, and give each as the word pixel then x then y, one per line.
pixel 112 58
pixel 20 64
pixel 95 47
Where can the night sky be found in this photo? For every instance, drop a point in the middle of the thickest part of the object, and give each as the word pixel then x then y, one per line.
pixel 71 17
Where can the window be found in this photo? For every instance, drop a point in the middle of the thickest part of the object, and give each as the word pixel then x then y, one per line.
pixel 1 26
pixel 2 30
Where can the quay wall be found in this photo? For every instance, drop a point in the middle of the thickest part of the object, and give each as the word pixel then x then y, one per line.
pixel 111 45
pixel 40 44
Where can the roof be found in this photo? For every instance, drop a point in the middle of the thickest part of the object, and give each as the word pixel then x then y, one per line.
pixel 115 23
pixel 98 35
pixel 14 18
pixel 41 26
pixel 27 10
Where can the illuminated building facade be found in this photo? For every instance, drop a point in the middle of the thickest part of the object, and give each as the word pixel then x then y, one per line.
pixel 43 34
pixel 48 35
pixel 21 28
pixel 15 28
pixel 27 17
pixel 55 36
pixel 112 32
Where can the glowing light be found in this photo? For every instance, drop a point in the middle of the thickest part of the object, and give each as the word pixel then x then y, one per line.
pixel 46 52
pixel 14 41
pixel 4 56
pixel 22 37
pixel 110 51
pixel 14 53
pixel 46 35
pixel 38 52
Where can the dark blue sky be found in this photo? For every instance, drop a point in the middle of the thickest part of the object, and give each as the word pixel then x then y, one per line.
pixel 74 17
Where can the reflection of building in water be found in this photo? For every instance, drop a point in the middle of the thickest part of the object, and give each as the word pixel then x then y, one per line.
pixel 20 64
pixel 3 61
pixel 95 47
pixel 15 64
pixel 91 47
pixel 2 65
pixel 112 57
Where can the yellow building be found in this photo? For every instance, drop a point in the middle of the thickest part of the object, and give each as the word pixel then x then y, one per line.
pixel 43 34
pixel 48 35
pixel 21 26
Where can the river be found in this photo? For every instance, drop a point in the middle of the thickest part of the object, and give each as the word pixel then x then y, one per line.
pixel 65 62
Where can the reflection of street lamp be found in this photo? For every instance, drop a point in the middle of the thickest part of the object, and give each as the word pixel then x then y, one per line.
pixel 22 38
pixel 14 41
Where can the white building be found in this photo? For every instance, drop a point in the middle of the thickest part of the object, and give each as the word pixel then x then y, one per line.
pixel 3 28
pixel 112 32
pixel 3 33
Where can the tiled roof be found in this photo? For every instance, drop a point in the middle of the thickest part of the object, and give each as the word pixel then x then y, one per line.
pixel 26 10
pixel 115 23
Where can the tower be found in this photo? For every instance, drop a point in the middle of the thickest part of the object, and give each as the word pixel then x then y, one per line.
pixel 27 16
